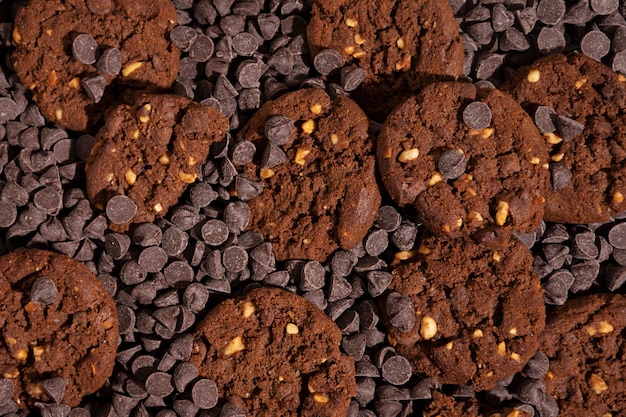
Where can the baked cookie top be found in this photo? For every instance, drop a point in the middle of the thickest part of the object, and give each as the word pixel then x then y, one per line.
pixel 584 340
pixel 467 158
pixel 316 162
pixel 147 154
pixel 466 313
pixel 401 44
pixel 273 352
pixel 579 105
pixel 59 328
pixel 75 55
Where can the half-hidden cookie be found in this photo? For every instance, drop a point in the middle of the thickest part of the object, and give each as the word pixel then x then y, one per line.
pixel 147 154
pixel 444 405
pixel 59 328
pixel 76 55
pixel 272 352
pixel 584 340
pixel 316 161
pixel 467 158
pixel 401 46
pixel 579 105
pixel 466 313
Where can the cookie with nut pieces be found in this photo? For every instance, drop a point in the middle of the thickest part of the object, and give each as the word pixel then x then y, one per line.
pixel 584 340
pixel 147 154
pixel 399 46
pixel 59 329
pixel 316 160
pixel 579 105
pixel 466 312
pixel 272 352
pixel 75 56
pixel 466 158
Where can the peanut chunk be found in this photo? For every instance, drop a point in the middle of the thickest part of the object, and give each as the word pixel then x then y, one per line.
pixel 130 176
pixel 292 329
pixel 248 309
pixel 300 155
pixel 164 159
pixel 597 384
pixel 266 173
pixel 17 36
pixel 605 327
pixel 234 346
pixel 428 328
pixel 316 108
pixel 187 178
pixel 309 126
pixel 131 67
pixel 359 39
pixel 351 23
pixel 533 76
pixel 477 334
pixel 618 197
pixel 501 348
pixel 320 398
pixel 502 213
pixel 408 155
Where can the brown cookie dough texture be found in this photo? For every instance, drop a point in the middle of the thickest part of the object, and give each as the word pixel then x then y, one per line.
pixel 325 195
pixel 584 340
pixel 444 405
pixel 592 94
pixel 72 335
pixel 401 44
pixel 151 151
pixel 274 353
pixel 506 172
pixel 478 311
pixel 43 35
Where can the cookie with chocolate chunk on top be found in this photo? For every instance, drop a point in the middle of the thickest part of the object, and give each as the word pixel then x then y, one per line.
pixel 273 352
pixel 147 154
pixel 59 329
pixel 580 105
pixel 466 158
pixel 316 161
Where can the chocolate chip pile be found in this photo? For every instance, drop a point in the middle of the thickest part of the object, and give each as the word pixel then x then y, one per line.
pixel 165 276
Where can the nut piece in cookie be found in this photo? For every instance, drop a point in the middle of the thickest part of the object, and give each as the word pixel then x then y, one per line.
pixel 59 329
pixel 147 154
pixel 316 161
pixel 273 352
pixel 75 56
pixel 475 163
pixel 466 313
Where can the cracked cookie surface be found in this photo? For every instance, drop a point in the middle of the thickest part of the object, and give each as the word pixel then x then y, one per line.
pixel 324 195
pixel 43 59
pixel 58 321
pixel 588 143
pixel 402 45
pixel 584 340
pixel 273 352
pixel 150 152
pixel 463 179
pixel 477 310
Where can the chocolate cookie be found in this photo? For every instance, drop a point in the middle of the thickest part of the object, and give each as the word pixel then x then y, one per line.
pixel 147 154
pixel 467 158
pixel 75 55
pixel 316 162
pixel 584 340
pixel 445 405
pixel 59 328
pixel 579 105
pixel 466 313
pixel 401 45
pixel 274 353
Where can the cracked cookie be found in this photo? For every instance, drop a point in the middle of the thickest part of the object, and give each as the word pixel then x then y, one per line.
pixel 273 352
pixel 147 154
pixel 75 55
pixel 316 161
pixel 579 105
pixel 467 158
pixel 584 340
pixel 466 313
pixel 401 45
pixel 59 328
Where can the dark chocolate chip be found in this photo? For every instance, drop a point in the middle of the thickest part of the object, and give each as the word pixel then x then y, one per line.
pixel 230 410
pixel 313 276
pixel 584 246
pixel 513 40
pixel 556 233
pixel 557 286
pixel 477 115
pixel 278 130
pixel 132 273
pixel 585 273
pixel 555 254
pixel 396 370
pixel 282 60
pixel 604 7
pixel 351 77
pixel 617 235
pixel 8 214
pixel 84 49
pixel 376 242
pixel 6 390
pixel 246 188
pixel 178 274
pixel 245 44
pixel 569 128
pixel 481 32
pixel 268 25
pixel 243 152
pixel 531 391
pixel 550 40
pixel 123 404
pixel 214 232
pixel 120 209
pixel 619 62
pixel 159 384
pixel 487 64
pixel 400 311
pixel 340 288
pixel 55 388
pixel 365 390
pixel 174 241
pixel 236 216
pixel 423 389
pixel 502 18
pixel 388 218
pixel 615 276
pixel 595 45
pixel 183 37
pixel 201 48
pixel 545 118
pixel 44 291
pixel 452 163
pixel 348 322
pixel 550 12
pixel 378 282
pixel 560 175
pixel 8 109
pixel 328 60
pixel 354 345
pixel 235 259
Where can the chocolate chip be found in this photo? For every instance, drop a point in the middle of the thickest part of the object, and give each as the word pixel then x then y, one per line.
pixel 120 209
pixel 178 274
pixel 487 64
pixel 545 119
pixel 313 276
pixel 282 60
pixel 569 128
pixel 8 214
pixel 585 273
pixel 236 216
pixel 365 389
pixel 604 7
pixel 396 370
pixel 55 388
pixel 595 45
pixel 378 282
pixel 513 40
pixel 6 390
pixel 340 288
pixel 84 49
pixel 550 12
pixel 159 384
pixel 477 115
pixel 174 241
pixel 44 291
pixel 400 311
pixel 617 235
pixel 481 32
pixel 201 48
pixel 245 44
pixel 502 18
pixel 94 87
pixel 278 130
pixel 556 233
pixel 452 163
pixel 183 37
pixel 619 62
pixel 354 345
pixel 615 276
pixel 8 109
pixel 246 188
pixel 327 60
pixel 560 175
pixel 376 242
pixel 229 410
pixel 404 237
pixel 351 77
pixel 48 200
pixel 538 366
pixel 550 40
pixel 584 246
pixel 214 232
pixel 423 389
pixel 557 286
pixel 224 89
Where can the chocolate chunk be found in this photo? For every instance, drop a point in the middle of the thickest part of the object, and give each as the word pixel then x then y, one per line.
pixel 8 109
pixel 327 60
pixel 569 128
pixel 84 49
pixel 513 40
pixel 44 291
pixel 278 130
pixel 378 282
pixel 550 12
pixel 560 175
pixel 452 163
pixel 120 209
pixel 545 119
pixel 502 18
pixel 401 311
pixel 236 216
pixel 557 286
pixel 550 40
pixel 396 370
pixel 351 77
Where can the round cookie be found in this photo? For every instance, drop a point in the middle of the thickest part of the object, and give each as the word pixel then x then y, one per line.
pixel 467 158
pixel 147 154
pixel 584 341
pixel 585 131
pixel 466 313
pixel 401 45
pixel 69 53
pixel 320 191
pixel 59 328
pixel 273 352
